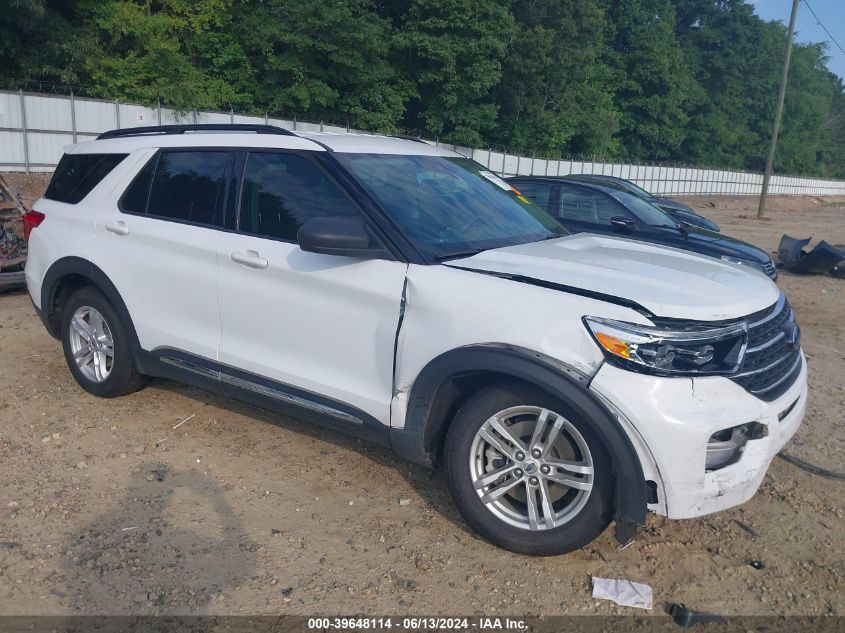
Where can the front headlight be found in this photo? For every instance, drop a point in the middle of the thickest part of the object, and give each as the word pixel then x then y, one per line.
pixel 661 350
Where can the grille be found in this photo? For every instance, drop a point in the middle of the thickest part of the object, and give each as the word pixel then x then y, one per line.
pixel 769 268
pixel 773 355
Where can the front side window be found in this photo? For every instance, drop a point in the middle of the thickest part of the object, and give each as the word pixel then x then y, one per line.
pixel 449 206
pixel 646 212
pixel 283 191
pixel 539 193
pixel 76 175
pixel 585 205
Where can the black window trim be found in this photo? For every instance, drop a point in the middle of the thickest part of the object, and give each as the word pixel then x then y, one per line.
pixel 228 174
pixel 395 243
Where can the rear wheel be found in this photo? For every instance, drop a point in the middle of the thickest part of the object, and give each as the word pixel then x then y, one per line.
pixel 96 346
pixel 526 473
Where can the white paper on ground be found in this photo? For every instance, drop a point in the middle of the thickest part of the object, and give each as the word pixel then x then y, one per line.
pixel 624 592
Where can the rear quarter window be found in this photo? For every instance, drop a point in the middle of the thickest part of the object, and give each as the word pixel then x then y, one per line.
pixel 76 175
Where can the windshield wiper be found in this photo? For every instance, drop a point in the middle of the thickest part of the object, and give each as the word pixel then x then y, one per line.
pixel 468 252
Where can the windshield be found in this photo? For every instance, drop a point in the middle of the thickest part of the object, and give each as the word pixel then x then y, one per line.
pixel 449 207
pixel 630 187
pixel 645 211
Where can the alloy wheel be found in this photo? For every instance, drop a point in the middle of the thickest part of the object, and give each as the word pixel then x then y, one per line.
pixel 91 343
pixel 531 467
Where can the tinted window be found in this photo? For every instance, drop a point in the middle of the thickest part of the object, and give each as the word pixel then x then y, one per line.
pixel 136 197
pixel 77 174
pixel 283 191
pixel 589 206
pixel 537 192
pixel 645 211
pixel 189 186
pixel 449 206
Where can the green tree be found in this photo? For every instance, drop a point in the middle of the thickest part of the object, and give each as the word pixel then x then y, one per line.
pixel 175 51
pixel 832 152
pixel 37 42
pixel 556 93
pixel 807 110
pixel 452 51
pixel 323 60
pixel 652 80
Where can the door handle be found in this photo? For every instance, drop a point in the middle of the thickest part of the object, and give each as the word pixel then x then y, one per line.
pixel 249 258
pixel 118 228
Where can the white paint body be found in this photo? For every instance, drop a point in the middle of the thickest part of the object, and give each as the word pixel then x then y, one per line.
pixel 328 325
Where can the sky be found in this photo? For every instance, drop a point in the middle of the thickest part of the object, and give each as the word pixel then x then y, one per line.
pixel 830 12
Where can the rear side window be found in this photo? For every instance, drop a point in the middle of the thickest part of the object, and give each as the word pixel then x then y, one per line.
pixel 186 186
pixel 77 174
pixel 283 191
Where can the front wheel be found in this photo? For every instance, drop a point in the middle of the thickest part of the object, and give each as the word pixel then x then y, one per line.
pixel 527 473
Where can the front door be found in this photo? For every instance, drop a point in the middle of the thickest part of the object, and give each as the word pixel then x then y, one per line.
pixel 320 326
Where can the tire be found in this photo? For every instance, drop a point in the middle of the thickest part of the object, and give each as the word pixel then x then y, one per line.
pixel 117 374
pixel 576 516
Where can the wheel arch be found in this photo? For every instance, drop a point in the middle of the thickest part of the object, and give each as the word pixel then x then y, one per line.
pixel 436 394
pixel 67 275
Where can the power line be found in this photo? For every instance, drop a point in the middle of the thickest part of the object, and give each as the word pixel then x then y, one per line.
pixel 824 28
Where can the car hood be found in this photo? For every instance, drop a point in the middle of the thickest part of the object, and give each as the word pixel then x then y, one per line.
pixel 667 282
pixel 718 244
pixel 692 219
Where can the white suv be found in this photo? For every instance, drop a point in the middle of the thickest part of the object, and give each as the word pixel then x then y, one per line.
pixel 398 291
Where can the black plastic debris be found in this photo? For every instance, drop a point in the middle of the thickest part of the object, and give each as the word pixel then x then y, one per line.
pixel 686 617
pixel 791 250
pixel 757 564
pixel 160 472
pixel 824 258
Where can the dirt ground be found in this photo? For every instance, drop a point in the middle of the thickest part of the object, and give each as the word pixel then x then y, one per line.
pixel 261 514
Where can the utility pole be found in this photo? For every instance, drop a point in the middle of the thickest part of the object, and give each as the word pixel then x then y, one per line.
pixel 767 175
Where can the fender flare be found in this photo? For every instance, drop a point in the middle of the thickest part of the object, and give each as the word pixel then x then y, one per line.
pixel 65 266
pixel 416 440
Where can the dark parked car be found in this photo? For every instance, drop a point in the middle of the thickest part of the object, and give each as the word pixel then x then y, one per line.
pixel 597 208
pixel 678 210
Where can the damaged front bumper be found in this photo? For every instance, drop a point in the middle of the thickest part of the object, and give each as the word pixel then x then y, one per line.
pixel 671 421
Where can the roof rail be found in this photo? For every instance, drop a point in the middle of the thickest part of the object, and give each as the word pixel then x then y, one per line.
pixel 202 127
pixel 408 137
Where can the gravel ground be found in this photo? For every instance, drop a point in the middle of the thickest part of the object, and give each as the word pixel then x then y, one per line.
pixel 107 508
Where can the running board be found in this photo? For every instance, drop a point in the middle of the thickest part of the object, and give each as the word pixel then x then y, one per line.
pixel 262 390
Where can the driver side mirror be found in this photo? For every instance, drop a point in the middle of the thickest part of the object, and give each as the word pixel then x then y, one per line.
pixel 622 224
pixel 340 235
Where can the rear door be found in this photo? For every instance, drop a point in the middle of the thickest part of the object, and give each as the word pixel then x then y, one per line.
pixel 158 244
pixel 318 328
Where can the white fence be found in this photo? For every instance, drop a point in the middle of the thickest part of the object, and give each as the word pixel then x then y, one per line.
pixel 34 129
